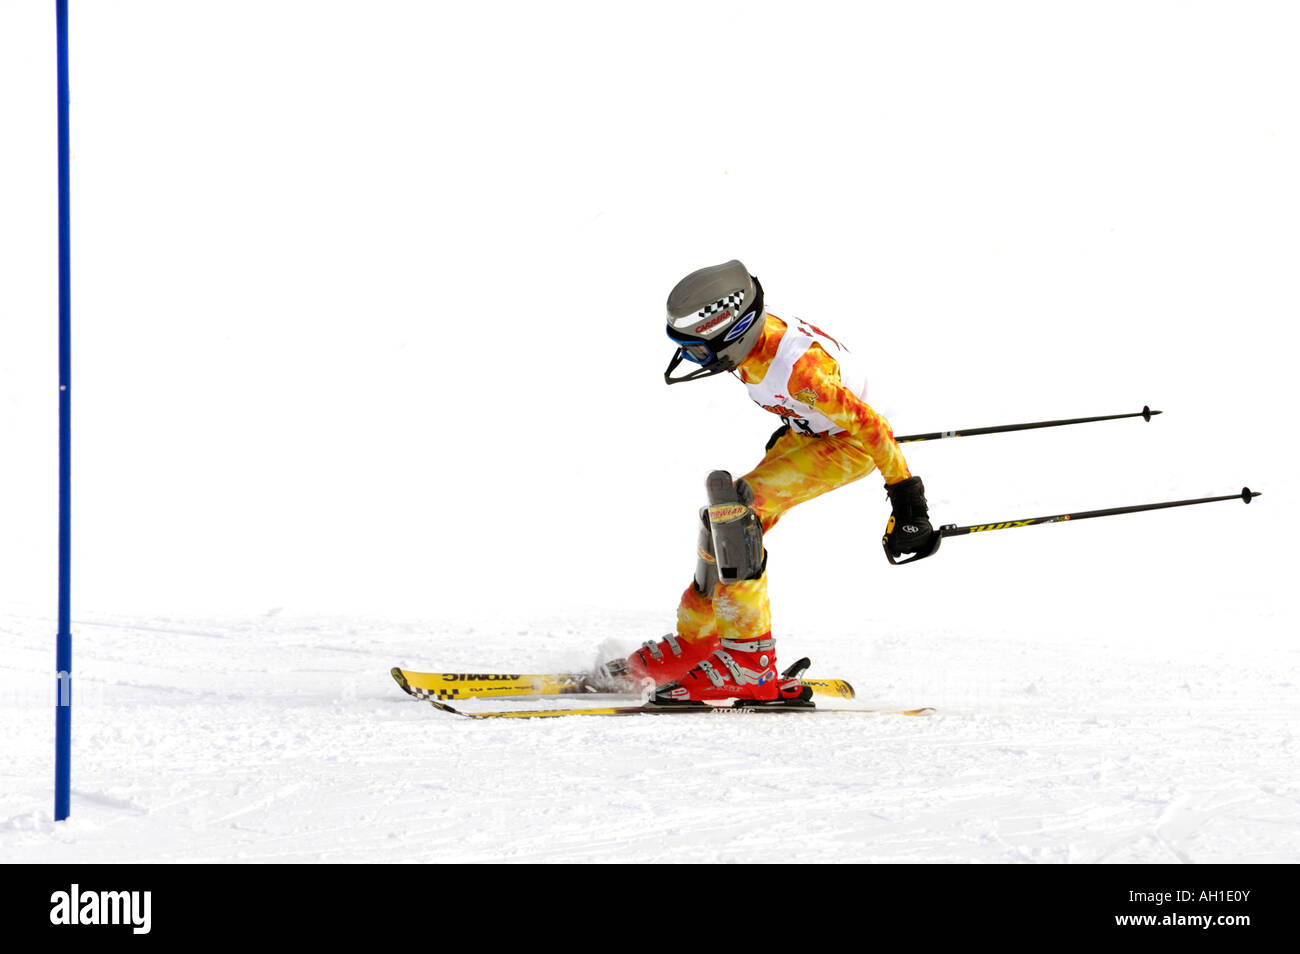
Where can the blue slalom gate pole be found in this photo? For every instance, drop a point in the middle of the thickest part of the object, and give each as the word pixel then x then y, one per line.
pixel 63 653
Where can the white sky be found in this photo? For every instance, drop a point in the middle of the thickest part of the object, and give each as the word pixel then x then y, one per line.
pixel 368 296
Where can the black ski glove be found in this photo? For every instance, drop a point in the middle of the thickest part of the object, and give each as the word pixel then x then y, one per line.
pixel 909 529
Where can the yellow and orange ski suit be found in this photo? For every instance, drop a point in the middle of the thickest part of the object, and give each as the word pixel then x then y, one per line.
pixel 797 467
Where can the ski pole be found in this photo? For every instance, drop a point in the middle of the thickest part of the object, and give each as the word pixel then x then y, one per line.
pixel 1146 414
pixel 952 530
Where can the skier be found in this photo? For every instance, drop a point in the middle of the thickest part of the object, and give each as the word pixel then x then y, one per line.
pixel 723 647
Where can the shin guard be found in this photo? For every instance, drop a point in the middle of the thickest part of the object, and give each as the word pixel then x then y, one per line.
pixel 735 528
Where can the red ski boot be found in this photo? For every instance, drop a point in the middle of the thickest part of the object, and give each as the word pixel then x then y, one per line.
pixel 743 670
pixel 663 662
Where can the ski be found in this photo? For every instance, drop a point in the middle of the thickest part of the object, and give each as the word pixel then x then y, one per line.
pixel 700 708
pixel 475 685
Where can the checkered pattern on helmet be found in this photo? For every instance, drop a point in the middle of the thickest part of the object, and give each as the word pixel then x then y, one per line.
pixel 732 300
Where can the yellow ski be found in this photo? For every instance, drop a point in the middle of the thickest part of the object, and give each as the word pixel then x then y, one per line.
pixel 693 708
pixel 477 685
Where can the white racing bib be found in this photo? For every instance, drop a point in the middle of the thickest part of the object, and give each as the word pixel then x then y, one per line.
pixel 773 392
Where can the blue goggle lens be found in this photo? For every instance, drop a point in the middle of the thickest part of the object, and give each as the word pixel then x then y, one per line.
pixel 697 351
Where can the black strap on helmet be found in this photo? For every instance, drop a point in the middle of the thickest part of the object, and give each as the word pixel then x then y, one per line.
pixel 718 366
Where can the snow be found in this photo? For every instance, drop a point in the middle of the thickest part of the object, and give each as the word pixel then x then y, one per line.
pixel 283 739
pixel 367 373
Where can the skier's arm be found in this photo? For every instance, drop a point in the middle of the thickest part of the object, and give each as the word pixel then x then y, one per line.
pixel 815 380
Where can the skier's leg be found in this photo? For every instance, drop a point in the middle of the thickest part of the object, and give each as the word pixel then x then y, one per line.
pixel 795 468
pixel 729 527
pixel 743 666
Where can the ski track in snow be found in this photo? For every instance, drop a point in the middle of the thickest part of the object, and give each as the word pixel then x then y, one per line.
pixel 285 740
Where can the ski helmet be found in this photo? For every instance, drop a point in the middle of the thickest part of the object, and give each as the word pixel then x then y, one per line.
pixel 715 316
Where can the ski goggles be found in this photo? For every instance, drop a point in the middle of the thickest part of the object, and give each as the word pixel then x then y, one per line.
pixel 692 348
pixel 701 350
